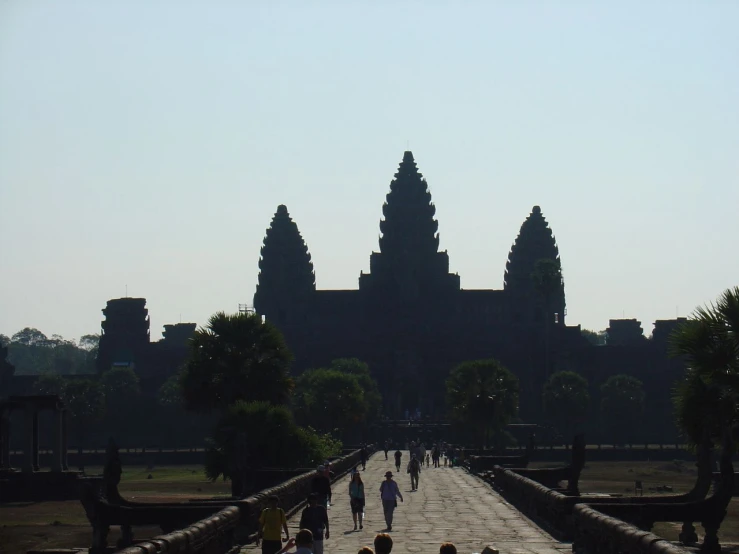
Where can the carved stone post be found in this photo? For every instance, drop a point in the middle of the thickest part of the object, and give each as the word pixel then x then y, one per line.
pixel 34 449
pixel 5 441
pixel 57 444
pixel 29 439
pixel 65 431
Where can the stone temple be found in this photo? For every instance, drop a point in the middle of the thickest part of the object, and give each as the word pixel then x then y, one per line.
pixel 409 319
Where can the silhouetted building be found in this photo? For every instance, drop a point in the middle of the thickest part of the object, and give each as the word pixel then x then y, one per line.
pixel 409 319
pixel 624 331
pixel 125 342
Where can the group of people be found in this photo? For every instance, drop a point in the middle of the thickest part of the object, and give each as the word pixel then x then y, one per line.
pixel 304 543
pixel 314 521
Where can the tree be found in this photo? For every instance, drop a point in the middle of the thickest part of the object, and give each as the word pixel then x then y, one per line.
pixel 236 357
pixel 49 383
pixel 254 435
pixel 4 340
pixel 483 395
pixel 566 400
pixel 330 401
pixel 622 405
pixel 361 370
pixel 595 338
pixel 170 393
pixel 29 337
pixel 85 400
pixel 121 388
pixel 706 399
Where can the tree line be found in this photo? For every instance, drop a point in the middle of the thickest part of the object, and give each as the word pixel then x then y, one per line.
pixel 31 352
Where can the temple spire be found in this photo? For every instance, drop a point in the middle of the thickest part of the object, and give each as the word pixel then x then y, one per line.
pixel 535 242
pixel 286 270
pixel 409 262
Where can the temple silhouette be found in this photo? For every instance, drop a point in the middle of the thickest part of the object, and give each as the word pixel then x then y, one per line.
pixel 409 319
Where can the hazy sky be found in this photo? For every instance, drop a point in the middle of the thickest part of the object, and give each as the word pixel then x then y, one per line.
pixel 148 144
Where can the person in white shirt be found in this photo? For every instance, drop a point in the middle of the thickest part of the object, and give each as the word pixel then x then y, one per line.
pixel 389 491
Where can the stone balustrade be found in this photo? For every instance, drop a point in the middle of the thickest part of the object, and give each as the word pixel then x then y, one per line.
pixel 236 523
pixel 596 533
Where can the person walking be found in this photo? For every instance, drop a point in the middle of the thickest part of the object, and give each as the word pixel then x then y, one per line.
pixel 414 468
pixel 321 485
pixel 398 456
pixel 387 447
pixel 315 519
pixel 363 454
pixel 389 492
pixel 356 499
pixel 272 521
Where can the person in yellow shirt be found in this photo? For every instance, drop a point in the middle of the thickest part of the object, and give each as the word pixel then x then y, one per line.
pixel 272 521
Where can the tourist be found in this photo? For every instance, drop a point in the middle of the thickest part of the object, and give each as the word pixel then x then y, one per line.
pixel 414 468
pixel 315 519
pixel 448 548
pixel 387 447
pixel 389 491
pixel 363 455
pixel 383 543
pixel 321 485
pixel 398 456
pixel 272 521
pixel 304 542
pixel 366 550
pixel 356 499
pixel 428 459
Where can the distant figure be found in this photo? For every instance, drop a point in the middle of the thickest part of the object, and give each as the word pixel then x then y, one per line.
pixel 414 469
pixel 315 519
pixel 363 455
pixel 389 491
pixel 383 543
pixel 398 456
pixel 387 447
pixel 428 459
pixel 356 499
pixel 406 413
pixel 272 521
pixel 321 485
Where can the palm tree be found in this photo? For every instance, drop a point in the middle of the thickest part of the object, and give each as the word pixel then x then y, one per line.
pixel 706 399
pixel 236 357
pixel 484 395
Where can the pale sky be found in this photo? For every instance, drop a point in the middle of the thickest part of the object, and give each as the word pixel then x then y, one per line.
pixel 148 145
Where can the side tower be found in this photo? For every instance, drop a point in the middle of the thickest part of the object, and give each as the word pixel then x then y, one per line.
pixel 409 265
pixel 286 277
pixel 535 242
pixel 124 339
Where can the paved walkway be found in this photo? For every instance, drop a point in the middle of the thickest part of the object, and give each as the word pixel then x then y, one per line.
pixel 449 505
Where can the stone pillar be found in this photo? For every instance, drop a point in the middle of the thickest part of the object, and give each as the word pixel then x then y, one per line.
pixel 65 431
pixel 29 439
pixel 57 445
pixel 34 449
pixel 5 441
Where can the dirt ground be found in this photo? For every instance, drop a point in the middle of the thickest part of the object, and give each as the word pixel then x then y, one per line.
pixel 41 525
pixel 620 477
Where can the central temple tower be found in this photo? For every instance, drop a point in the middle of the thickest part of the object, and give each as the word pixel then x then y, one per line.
pixel 409 265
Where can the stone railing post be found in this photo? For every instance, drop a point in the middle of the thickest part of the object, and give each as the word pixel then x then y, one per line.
pixel 34 443
pixel 56 445
pixel 5 442
pixel 29 439
pixel 64 447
